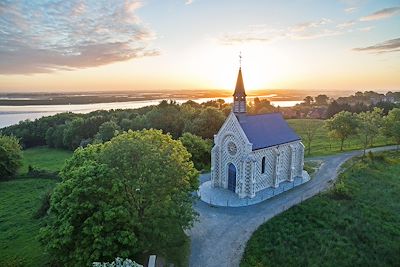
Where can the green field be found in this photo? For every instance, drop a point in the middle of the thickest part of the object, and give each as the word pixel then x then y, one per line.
pixel 19 200
pixel 356 224
pixel 44 158
pixel 323 145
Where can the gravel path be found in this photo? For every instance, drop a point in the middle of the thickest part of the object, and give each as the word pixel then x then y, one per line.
pixel 220 236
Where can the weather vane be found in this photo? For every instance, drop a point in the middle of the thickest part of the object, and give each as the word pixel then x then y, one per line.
pixel 240 59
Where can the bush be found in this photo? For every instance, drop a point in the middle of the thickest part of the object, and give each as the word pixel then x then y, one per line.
pixel 34 172
pixel 340 191
pixel 199 148
pixel 10 156
pixel 44 206
pixel 376 157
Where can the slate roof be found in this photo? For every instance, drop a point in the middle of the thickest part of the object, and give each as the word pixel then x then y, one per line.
pixel 266 130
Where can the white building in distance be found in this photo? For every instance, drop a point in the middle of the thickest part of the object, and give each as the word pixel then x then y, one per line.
pixel 255 152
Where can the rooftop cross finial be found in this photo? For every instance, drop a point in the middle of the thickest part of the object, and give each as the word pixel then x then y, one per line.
pixel 240 59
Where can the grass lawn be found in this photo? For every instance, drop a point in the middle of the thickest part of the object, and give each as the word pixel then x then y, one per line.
pixel 19 200
pixel 357 223
pixel 323 145
pixel 44 158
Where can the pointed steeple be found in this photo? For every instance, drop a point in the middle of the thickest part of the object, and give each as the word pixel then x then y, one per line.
pixel 239 89
pixel 239 96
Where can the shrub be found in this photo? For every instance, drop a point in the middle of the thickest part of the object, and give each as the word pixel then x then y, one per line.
pixel 44 206
pixel 199 148
pixel 340 191
pixel 376 157
pixel 10 156
pixel 34 172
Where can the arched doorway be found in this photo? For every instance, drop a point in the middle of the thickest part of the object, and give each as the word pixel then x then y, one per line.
pixel 231 177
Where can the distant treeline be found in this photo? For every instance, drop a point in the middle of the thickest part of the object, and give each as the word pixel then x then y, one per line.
pixel 323 107
pixel 70 130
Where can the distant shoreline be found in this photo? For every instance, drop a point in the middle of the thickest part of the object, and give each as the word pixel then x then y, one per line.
pixel 83 98
pixel 86 100
pixel 70 101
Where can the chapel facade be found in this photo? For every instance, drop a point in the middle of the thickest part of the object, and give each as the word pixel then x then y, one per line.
pixel 255 152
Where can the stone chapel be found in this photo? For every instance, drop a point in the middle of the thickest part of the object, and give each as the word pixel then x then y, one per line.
pixel 255 152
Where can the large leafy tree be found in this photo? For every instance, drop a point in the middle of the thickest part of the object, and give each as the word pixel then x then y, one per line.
pixel 308 100
pixel 321 100
pixel 370 123
pixel 167 117
pixel 199 148
pixel 207 123
pixel 107 131
pixel 392 125
pixel 341 126
pixel 73 133
pixel 10 156
pixel 127 196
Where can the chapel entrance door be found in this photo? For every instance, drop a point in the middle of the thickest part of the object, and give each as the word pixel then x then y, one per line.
pixel 231 177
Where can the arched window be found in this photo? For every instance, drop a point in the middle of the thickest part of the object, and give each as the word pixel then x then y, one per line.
pixel 263 165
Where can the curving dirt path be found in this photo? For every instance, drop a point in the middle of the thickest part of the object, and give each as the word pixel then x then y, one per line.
pixel 220 236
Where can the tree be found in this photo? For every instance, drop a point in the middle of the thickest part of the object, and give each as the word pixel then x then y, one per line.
pixel 370 123
pixel 333 109
pixel 261 106
pixel 73 133
pixel 167 117
pixel 207 123
pixel 341 126
pixel 58 136
pixel 308 100
pixel 49 137
pixel 321 100
pixel 309 129
pixel 127 196
pixel 199 148
pixel 391 126
pixel 10 156
pixel 107 131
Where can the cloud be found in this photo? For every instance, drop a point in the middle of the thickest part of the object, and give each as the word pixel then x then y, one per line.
pixel 346 24
pixel 238 39
pixel 366 29
pixel 188 2
pixel 68 35
pixel 382 14
pixel 384 47
pixel 350 10
pixel 301 27
pixel 261 33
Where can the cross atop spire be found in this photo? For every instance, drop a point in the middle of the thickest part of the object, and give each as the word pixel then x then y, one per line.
pixel 240 59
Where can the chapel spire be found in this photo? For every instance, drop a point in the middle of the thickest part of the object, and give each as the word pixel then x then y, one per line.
pixel 239 96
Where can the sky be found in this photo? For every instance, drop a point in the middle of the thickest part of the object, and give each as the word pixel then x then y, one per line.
pixel 99 45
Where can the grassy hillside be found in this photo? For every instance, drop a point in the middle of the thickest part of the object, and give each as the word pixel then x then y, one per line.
pixel 355 224
pixel 44 158
pixel 323 145
pixel 19 201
